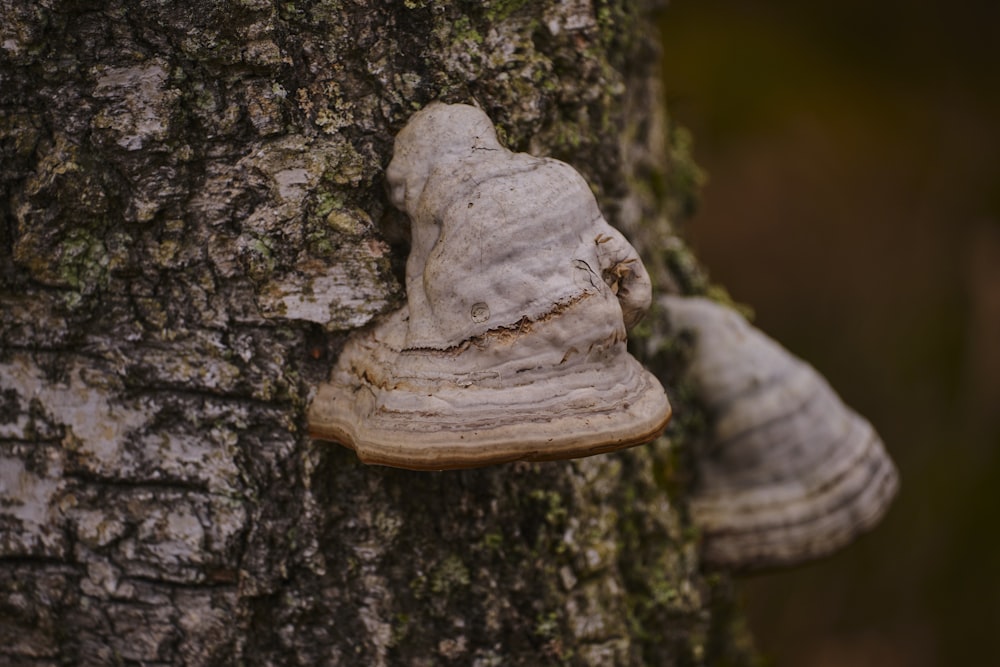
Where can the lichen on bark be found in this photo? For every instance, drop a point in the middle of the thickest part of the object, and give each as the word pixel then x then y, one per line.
pixel 192 218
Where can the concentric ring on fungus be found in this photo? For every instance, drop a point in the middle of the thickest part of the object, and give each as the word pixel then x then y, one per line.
pixel 788 473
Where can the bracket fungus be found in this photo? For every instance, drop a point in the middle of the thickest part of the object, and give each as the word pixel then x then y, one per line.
pixel 511 345
pixel 790 473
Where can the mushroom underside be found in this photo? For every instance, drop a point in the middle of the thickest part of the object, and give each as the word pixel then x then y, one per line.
pixel 510 400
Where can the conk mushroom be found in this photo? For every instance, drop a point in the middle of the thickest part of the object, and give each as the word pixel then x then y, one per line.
pixel 511 345
pixel 788 472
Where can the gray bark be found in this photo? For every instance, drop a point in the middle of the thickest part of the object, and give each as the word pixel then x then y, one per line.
pixel 192 219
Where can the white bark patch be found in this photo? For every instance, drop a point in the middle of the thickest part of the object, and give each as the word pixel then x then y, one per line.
pixel 342 296
pixel 96 424
pixel 205 622
pixel 290 182
pixel 590 620
pixel 28 499
pixel 165 532
pixel 177 535
pixel 337 284
pixel 97 529
pixel 102 579
pixel 29 494
pixel 294 165
pixel 110 437
pixel 138 106
pixel 570 16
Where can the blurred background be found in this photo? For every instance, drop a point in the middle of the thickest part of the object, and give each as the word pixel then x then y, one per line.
pixel 852 151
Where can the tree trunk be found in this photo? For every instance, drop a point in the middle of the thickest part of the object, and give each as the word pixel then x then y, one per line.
pixel 193 219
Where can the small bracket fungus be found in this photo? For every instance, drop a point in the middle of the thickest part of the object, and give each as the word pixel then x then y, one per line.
pixel 790 473
pixel 511 345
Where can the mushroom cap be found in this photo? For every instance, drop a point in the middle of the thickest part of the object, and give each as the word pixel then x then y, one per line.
pixel 508 231
pixel 790 473
pixel 512 342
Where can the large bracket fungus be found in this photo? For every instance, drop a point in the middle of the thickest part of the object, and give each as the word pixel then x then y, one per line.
pixel 511 345
pixel 789 472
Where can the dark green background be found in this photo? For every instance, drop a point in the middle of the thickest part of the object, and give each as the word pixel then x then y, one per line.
pixel 853 201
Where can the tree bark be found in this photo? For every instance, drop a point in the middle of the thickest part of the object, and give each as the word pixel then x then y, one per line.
pixel 193 219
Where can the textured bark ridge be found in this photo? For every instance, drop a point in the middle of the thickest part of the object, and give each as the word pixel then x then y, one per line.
pixel 192 218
